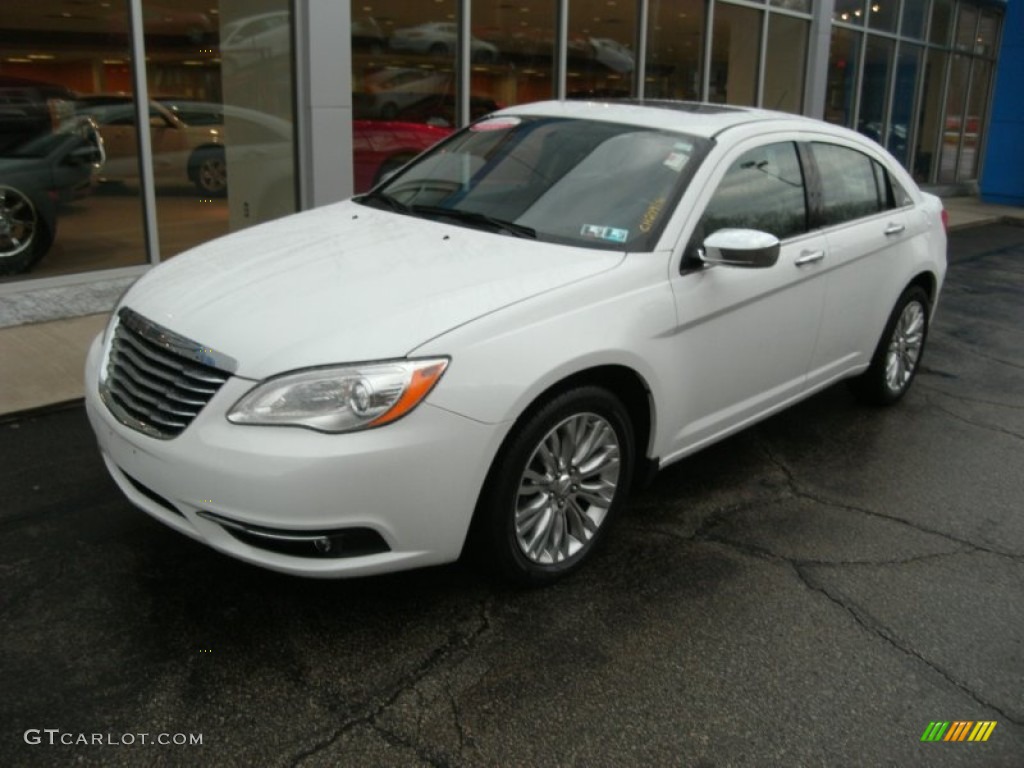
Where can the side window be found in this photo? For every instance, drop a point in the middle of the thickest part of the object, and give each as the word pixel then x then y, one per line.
pixel 850 183
pixel 763 190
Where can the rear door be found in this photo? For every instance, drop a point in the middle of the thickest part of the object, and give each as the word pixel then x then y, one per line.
pixel 864 217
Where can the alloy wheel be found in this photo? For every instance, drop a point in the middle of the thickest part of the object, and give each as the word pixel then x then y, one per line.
pixel 567 488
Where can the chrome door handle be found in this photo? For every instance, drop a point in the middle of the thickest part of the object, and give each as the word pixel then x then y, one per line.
pixel 894 229
pixel 809 257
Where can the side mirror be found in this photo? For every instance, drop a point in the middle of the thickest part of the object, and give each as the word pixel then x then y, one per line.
pixel 740 248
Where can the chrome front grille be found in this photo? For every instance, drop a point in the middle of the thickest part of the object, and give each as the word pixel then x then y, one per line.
pixel 157 381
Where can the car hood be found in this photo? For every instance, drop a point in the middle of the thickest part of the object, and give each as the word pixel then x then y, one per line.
pixel 347 283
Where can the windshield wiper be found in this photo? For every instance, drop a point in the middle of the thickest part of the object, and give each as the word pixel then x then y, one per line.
pixel 383 200
pixel 478 219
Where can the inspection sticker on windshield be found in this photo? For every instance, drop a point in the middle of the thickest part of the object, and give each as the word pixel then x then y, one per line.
pixel 605 233
pixel 496 124
pixel 678 157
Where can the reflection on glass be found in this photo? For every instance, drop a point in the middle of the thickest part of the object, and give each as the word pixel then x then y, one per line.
pixel 930 125
pixel 803 6
pixel 907 66
pixel 974 120
pixel 914 14
pixel 842 76
pixel 56 215
pixel 735 44
pixel 849 11
pixel 219 76
pixel 966 28
pixel 942 21
pixel 882 14
pixel 784 63
pixel 955 102
pixel 675 36
pixel 523 37
pixel 600 48
pixel 404 86
pixel 875 87
pixel 988 34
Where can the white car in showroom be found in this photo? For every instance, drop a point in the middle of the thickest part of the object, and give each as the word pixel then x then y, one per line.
pixel 486 350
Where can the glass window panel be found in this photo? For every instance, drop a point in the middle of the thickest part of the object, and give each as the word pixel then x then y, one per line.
pixel 58 212
pixel 882 14
pixel 981 73
pixel 519 66
pixel 908 65
pixel 988 34
pixel 735 44
pixel 785 62
pixel 914 14
pixel 966 27
pixel 875 87
pixel 762 190
pixel 930 124
pixel 600 56
pixel 220 80
pixel 675 37
pixel 850 190
pixel 404 87
pixel 942 22
pixel 955 102
pixel 802 6
pixel 843 57
pixel 849 11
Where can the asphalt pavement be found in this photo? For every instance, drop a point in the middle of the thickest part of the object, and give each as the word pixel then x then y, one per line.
pixel 814 591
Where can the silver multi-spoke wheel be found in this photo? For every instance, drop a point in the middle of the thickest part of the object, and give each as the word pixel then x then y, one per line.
pixel 212 173
pixel 18 223
pixel 905 346
pixel 567 488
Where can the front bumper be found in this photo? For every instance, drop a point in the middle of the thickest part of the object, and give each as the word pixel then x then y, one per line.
pixel 414 483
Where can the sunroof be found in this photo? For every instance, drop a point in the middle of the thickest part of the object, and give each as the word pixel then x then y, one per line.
pixel 692 107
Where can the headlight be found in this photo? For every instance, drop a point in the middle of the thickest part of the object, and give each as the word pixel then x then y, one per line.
pixel 342 398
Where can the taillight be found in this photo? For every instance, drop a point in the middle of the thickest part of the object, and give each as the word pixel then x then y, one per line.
pixel 945 220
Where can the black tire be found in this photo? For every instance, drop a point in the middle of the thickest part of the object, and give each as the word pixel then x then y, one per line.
pixel 573 415
pixel 25 234
pixel 894 365
pixel 209 171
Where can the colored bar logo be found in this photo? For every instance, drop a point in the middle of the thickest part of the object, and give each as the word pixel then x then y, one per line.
pixel 958 730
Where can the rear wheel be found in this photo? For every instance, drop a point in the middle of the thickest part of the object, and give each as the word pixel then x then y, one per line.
pixel 555 487
pixel 24 236
pixel 899 351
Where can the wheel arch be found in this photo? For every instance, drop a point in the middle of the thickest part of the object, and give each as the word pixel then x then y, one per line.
pixel 929 282
pixel 623 382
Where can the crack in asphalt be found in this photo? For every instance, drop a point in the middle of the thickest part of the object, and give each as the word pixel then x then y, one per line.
pixel 972 422
pixel 456 643
pixel 797 491
pixel 965 398
pixel 871 625
pixel 973 349
pixel 801 567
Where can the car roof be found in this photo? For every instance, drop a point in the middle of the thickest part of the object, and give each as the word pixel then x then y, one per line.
pixel 695 118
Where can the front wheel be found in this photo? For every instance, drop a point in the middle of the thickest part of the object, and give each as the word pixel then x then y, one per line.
pixel 899 351
pixel 555 487
pixel 210 171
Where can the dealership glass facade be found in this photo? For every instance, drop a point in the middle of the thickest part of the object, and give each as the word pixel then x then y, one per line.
pixel 224 146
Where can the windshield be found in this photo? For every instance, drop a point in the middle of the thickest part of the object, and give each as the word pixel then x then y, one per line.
pixel 580 182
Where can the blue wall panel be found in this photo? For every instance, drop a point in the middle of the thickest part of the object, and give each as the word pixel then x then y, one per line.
pixel 1002 178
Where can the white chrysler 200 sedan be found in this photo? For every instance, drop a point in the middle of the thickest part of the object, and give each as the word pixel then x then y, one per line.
pixel 486 350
